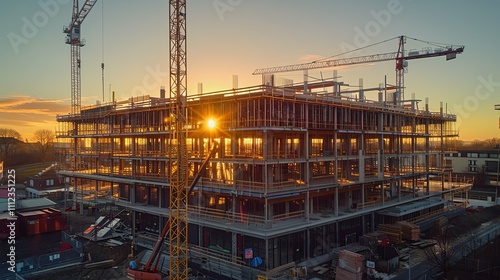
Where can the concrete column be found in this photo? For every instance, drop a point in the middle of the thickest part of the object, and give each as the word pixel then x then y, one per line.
pixel 234 247
pixel 361 167
pixel 337 232
pixel 267 253
pixel 363 223
pixel 363 195
pixel 349 199
pixel 308 244
pixel 200 236
pixel 307 206
pixel 336 202
pixel 133 224
pixel 132 193
pixel 233 215
pixel 373 221
pixel 306 79
pixel 311 204
pixel 95 202
pixel 382 193
pixel 270 213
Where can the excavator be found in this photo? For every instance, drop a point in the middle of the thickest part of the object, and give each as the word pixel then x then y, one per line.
pixel 150 270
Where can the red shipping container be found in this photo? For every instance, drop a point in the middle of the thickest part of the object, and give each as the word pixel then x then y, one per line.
pixel 59 223
pixel 55 212
pixel 31 215
pixel 43 215
pixel 32 227
pixel 50 224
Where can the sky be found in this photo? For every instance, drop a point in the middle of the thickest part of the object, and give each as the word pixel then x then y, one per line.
pixel 235 37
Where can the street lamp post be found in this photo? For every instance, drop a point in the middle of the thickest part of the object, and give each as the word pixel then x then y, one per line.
pixel 498 172
pixel 497 107
pixel 409 266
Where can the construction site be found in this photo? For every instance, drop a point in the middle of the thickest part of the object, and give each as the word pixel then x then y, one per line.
pixel 258 182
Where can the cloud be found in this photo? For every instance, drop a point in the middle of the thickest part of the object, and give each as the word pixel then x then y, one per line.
pixel 20 104
pixel 27 114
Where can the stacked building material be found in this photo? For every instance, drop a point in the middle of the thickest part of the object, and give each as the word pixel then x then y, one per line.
pixel 350 266
pixel 410 232
pixel 393 231
pixel 373 239
pixel 439 224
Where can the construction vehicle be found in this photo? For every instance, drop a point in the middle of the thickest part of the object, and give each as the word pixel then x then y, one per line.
pixel 150 270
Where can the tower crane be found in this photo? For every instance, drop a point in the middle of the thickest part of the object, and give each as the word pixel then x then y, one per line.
pixel 178 153
pixel 401 57
pixel 73 32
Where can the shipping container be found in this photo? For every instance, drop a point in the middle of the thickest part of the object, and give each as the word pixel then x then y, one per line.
pixel 41 221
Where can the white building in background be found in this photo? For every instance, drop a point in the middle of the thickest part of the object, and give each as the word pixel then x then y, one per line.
pixel 476 162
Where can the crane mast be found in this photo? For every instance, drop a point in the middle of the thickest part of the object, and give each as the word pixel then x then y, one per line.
pixel 400 71
pixel 178 153
pixel 73 32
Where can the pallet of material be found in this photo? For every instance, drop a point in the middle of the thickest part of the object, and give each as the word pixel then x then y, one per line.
pixel 393 231
pixel 343 274
pixel 350 261
pixel 439 224
pixel 410 232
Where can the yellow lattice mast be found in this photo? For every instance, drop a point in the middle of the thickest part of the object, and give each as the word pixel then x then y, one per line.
pixel 178 153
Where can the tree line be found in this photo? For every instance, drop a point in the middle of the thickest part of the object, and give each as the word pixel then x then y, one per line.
pixel 488 144
pixel 16 151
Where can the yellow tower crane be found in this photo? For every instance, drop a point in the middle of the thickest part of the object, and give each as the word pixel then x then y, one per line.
pixel 178 153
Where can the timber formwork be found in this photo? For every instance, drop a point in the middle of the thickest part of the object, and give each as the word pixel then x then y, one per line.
pixel 296 173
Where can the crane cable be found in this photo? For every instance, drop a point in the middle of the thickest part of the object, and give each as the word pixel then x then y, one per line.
pixel 441 45
pixel 355 50
pixel 102 50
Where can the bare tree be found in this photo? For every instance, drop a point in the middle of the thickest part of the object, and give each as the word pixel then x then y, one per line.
pixel 444 254
pixel 45 141
pixel 486 144
pixel 9 142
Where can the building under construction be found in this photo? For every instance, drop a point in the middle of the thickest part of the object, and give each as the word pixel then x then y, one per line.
pixel 298 170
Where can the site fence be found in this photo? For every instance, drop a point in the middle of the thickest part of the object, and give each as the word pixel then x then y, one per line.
pixel 42 262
